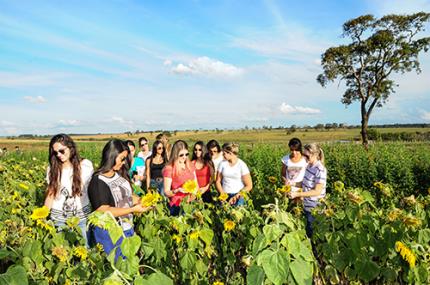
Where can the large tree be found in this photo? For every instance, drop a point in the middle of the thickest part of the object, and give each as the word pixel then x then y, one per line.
pixel 378 48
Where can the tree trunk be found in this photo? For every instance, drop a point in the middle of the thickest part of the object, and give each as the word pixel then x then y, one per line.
pixel 364 124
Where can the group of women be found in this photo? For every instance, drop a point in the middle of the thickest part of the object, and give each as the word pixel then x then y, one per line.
pixel 75 189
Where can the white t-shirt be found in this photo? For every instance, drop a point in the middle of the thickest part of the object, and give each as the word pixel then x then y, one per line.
pixel 217 161
pixel 140 154
pixel 295 170
pixel 232 176
pixel 64 204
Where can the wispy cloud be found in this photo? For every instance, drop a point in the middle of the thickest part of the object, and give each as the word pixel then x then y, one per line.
pixel 36 100
pixel 207 67
pixel 69 123
pixel 295 110
pixel 425 116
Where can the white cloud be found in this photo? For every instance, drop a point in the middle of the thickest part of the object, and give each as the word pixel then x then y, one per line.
pixel 167 62
pixel 294 110
pixel 207 67
pixel 69 123
pixel 36 100
pixel 121 121
pixel 425 116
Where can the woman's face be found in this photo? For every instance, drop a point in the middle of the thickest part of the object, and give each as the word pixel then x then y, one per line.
pixel 310 158
pixel 228 155
pixel 120 160
pixel 160 149
pixel 144 146
pixel 214 151
pixel 132 150
pixel 198 150
pixel 183 155
pixel 295 153
pixel 61 151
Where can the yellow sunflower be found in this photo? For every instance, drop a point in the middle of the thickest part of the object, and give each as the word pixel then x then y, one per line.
pixel 272 179
pixel 60 252
pixel 223 197
pixel 406 253
pixel 229 225
pixel 40 213
pixel 150 199
pixel 81 252
pixel 190 187
pixel 194 235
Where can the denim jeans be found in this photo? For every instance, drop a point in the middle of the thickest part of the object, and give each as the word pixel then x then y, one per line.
pixel 239 202
pixel 102 236
pixel 159 185
pixel 309 221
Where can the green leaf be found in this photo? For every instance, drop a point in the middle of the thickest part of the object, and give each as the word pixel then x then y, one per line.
pixel 155 278
pixel 302 271
pixel 255 275
pixel 424 236
pixel 389 274
pixel 259 244
pixel 188 260
pixel 275 264
pixel 367 270
pixel 130 245
pixel 207 235
pixel 115 233
pixel 129 266
pixel 15 275
pixel 4 253
pixel 292 241
pixel 272 232
pixel 201 267
pixel 287 219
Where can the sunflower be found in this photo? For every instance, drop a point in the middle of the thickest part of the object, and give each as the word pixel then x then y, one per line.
pixel 406 253
pixel 177 238
pixel 272 179
pixel 285 189
pixel 339 186
pixel 223 197
pixel 411 221
pixel 190 187
pixel 394 214
pixel 40 213
pixel 81 252
pixel 194 235
pixel 356 198
pixel 229 225
pixel 150 199
pixel 60 252
pixel 218 283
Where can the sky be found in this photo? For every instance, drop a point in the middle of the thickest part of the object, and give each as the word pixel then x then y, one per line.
pixel 116 66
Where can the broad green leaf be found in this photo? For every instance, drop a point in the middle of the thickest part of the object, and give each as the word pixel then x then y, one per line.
pixel 156 278
pixel 129 266
pixel 188 260
pixel 259 244
pixel 201 267
pixel 287 219
pixel 115 233
pixel 272 232
pixel 207 235
pixel 255 275
pixel 302 271
pixel 389 274
pixel 367 270
pixel 293 241
pixel 15 275
pixel 424 236
pixel 130 245
pixel 275 265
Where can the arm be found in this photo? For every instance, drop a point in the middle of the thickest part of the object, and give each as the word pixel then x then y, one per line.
pixel 314 192
pixel 218 183
pixel 247 181
pixel 284 173
pixel 117 212
pixel 148 173
pixel 48 201
pixel 136 199
pixel 167 186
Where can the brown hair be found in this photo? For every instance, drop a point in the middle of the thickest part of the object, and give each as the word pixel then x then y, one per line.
pixel 55 166
pixel 315 149
pixel 231 147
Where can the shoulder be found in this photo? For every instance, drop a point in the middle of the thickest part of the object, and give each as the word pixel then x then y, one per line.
pixel 285 159
pixel 85 163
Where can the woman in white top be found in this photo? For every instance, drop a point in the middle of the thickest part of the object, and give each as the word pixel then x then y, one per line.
pixel 68 177
pixel 233 176
pixel 215 154
pixel 293 164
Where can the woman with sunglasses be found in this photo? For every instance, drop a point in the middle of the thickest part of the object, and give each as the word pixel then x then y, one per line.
pixel 215 154
pixel 154 166
pixel 233 176
pixel 293 164
pixel 313 184
pixel 137 170
pixel 204 170
pixel 165 140
pixel 144 152
pixel 110 191
pixel 68 177
pixel 177 171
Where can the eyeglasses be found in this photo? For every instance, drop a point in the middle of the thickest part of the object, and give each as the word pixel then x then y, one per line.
pixel 184 154
pixel 214 151
pixel 62 151
pixel 160 148
pixel 197 149
pixel 143 144
pixel 306 156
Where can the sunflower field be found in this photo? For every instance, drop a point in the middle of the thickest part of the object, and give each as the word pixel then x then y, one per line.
pixel 372 227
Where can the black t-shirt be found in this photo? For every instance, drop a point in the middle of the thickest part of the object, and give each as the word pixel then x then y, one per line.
pixel 113 191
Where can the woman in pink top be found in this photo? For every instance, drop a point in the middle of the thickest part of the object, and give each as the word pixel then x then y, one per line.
pixel 204 170
pixel 177 171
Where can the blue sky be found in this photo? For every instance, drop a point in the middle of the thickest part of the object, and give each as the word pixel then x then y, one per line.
pixel 115 66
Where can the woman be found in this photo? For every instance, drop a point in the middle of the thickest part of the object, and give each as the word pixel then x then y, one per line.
pixel 68 177
pixel 155 164
pixel 215 154
pixel 293 165
pixel 110 191
pixel 165 140
pixel 176 173
pixel 144 152
pixel 313 184
pixel 233 176
pixel 137 170
pixel 204 170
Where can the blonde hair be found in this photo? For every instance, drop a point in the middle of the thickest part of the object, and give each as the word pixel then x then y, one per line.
pixel 315 149
pixel 231 147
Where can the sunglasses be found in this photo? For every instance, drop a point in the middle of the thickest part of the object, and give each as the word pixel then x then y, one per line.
pixel 197 149
pixel 160 148
pixel 184 154
pixel 214 151
pixel 62 151
pixel 306 156
pixel 143 144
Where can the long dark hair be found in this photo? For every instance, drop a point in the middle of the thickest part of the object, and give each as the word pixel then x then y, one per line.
pixel 154 151
pixel 207 161
pixel 55 166
pixel 109 154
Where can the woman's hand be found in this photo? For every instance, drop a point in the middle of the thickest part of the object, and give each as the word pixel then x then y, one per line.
pixel 293 195
pixel 234 199
pixel 138 208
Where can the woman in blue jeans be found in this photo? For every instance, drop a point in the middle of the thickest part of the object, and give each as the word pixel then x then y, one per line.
pixel 154 167
pixel 233 177
pixel 110 191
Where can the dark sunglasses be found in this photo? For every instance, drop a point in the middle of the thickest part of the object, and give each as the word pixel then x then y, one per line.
pixel 143 144
pixel 305 156
pixel 184 154
pixel 160 147
pixel 197 149
pixel 214 151
pixel 62 151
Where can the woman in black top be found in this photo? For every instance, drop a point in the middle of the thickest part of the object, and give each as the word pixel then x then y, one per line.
pixel 154 166
pixel 110 191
